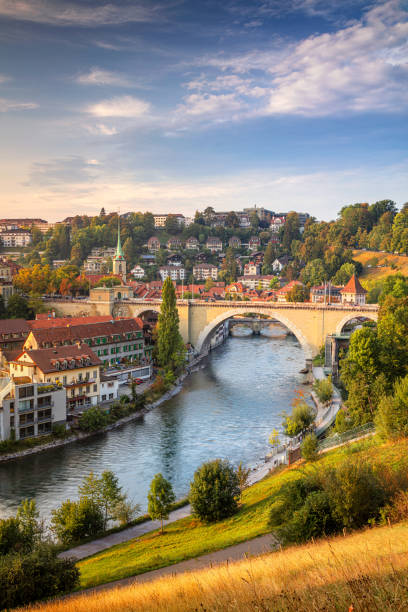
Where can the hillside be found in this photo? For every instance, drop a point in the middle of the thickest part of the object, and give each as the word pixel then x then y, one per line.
pixel 368 570
pixel 378 265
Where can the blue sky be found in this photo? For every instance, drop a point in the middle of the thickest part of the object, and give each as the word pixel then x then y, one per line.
pixel 173 106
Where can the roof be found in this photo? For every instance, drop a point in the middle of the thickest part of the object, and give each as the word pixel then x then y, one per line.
pixel 74 333
pixel 64 321
pixel 45 359
pixel 354 286
pixel 119 253
pixel 14 326
pixel 204 266
pixel 214 240
pixel 289 286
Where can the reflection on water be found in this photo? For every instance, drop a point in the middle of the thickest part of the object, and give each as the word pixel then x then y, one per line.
pixel 227 410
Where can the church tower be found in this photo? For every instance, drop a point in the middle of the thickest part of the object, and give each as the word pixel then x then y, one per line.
pixel 119 262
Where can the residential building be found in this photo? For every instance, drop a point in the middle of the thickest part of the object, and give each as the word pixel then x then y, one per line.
pixel 148 259
pixel 282 293
pixel 234 242
pixel 13 333
pixel 138 272
pixel 328 294
pixel 277 222
pixel 6 271
pixel 204 271
pixel 28 409
pixel 256 281
pixel 263 213
pixel 104 252
pixel 160 220
pixel 174 260
pixel 15 238
pixel 244 220
pixel 280 263
pixel 214 244
pixel 252 268
pixel 192 244
pixel 353 292
pixel 254 243
pixel 113 342
pixel 174 244
pixel 59 263
pixel 153 244
pixel 94 265
pixel 24 223
pixel 6 290
pixel 76 367
pixel 109 388
pixel 174 272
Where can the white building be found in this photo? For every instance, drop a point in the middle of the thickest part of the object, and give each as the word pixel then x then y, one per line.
pixel 174 272
pixel 204 271
pixel 252 268
pixel 138 272
pixel 30 409
pixel 15 238
pixel 109 388
pixel 214 244
pixel 160 220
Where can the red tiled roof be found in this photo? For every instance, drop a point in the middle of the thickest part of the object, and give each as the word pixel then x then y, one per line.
pixel 14 326
pixel 354 286
pixel 45 359
pixel 64 321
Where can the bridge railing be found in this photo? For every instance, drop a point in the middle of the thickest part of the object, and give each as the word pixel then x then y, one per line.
pixel 351 434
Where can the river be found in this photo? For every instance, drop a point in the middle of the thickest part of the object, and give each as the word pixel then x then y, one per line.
pixel 226 409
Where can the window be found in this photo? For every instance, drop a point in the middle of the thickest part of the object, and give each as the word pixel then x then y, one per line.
pixel 110 395
pixel 113 351
pixel 11 421
pixel 105 351
pixel 26 391
pixel 88 388
pixel 95 372
pixel 98 340
pixel 103 340
pixel 25 405
pixel 27 418
pixel 103 397
pixel 44 427
pixel 95 387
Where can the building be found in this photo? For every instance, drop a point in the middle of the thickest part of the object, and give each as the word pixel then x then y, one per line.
pixel 282 293
pixel 28 409
pixel 160 220
pixel 174 244
pixel 15 238
pixel 75 367
pixel 325 294
pixel 6 271
pixel 119 262
pixel 277 222
pixel 263 213
pixel 280 263
pixel 244 220
pixel 109 388
pixel 10 224
pixel 234 242
pixel 204 271
pixel 256 281
pixel 104 252
pixel 113 342
pixel 138 272
pixel 153 244
pixel 94 265
pixel 353 292
pixel 59 263
pixel 6 290
pixel 254 243
pixel 192 244
pixel 214 244
pixel 174 272
pixel 252 268
pixel 13 333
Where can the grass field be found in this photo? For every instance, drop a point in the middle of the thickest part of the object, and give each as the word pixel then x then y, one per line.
pixel 189 538
pixel 382 268
pixel 367 570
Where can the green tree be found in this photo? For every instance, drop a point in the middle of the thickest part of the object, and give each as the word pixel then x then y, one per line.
pixel 11 537
pixel 243 477
pixel 298 293
pixel 299 421
pixel 17 308
pixel 93 419
pixel 30 525
pixel 344 274
pixel 392 417
pixel 274 283
pixel 314 273
pixel 228 271
pixel 170 348
pixel 290 231
pixel 309 447
pixel 269 258
pixel 214 491
pixel 73 521
pixel 109 281
pixel 160 499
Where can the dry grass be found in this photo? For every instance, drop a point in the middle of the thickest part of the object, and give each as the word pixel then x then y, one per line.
pixel 368 570
pixel 383 269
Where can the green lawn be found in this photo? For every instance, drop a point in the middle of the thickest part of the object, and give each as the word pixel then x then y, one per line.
pixel 188 538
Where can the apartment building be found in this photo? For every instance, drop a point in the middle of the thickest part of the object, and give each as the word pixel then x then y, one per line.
pixel 30 409
pixel 256 281
pixel 192 244
pixel 214 244
pixel 252 268
pixel 160 220
pixel 204 271
pixel 153 244
pixel 174 272
pixel 114 342
pixel 15 238
pixel 75 367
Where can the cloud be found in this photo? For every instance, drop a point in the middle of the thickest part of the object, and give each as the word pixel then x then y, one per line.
pixel 63 171
pixel 58 13
pixel 120 107
pixel 100 129
pixel 12 105
pixel 362 67
pixel 4 78
pixel 98 76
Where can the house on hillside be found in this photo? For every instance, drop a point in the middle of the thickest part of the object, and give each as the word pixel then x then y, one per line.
pixel 174 244
pixel 280 263
pixel 214 244
pixel 353 292
pixel 192 244
pixel 153 244
pixel 234 242
pixel 254 243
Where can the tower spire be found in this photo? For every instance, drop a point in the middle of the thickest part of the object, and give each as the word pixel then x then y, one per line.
pixel 119 252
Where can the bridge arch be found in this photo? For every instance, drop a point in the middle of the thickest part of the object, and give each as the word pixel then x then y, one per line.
pixel 205 334
pixel 373 316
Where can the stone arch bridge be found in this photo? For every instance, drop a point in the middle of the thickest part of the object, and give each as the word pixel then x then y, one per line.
pixel 310 323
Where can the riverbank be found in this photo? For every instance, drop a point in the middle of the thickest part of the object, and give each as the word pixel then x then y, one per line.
pixel 80 436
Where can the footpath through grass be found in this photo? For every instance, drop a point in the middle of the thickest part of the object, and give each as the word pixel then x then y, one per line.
pixel 188 538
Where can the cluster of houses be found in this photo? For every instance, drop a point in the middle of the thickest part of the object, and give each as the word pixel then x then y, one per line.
pixel 53 368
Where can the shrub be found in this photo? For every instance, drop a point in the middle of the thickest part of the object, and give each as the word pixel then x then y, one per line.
pixel 397 510
pixel 214 491
pixel 27 578
pixel 391 419
pixel 93 419
pixel 299 421
pixel 309 447
pixel 12 538
pixel 73 521
pixel 323 389
pixel 312 520
pixel 59 430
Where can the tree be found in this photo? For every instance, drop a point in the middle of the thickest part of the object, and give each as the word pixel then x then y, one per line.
pixel 290 231
pixel 172 226
pixel 214 491
pixel 232 220
pixel 30 525
pixel 73 521
pixel 92 419
pixel 160 499
pixel 391 420
pixel 109 281
pixel 229 267
pixel 17 308
pixel 299 421
pixel 209 283
pixel 274 439
pixel 309 447
pixel 269 258
pixel 243 476
pixel 3 311
pixel 274 283
pixel 344 274
pixel 170 347
pixel 254 221
pixel 298 293
pixel 313 273
pixel 11 537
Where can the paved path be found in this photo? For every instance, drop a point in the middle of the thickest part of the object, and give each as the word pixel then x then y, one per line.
pixel 257 546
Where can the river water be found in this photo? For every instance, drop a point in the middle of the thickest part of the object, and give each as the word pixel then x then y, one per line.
pixel 226 409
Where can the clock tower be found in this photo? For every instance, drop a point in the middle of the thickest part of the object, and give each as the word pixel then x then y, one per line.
pixel 119 262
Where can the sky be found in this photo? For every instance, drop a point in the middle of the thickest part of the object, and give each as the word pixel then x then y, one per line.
pixel 173 106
